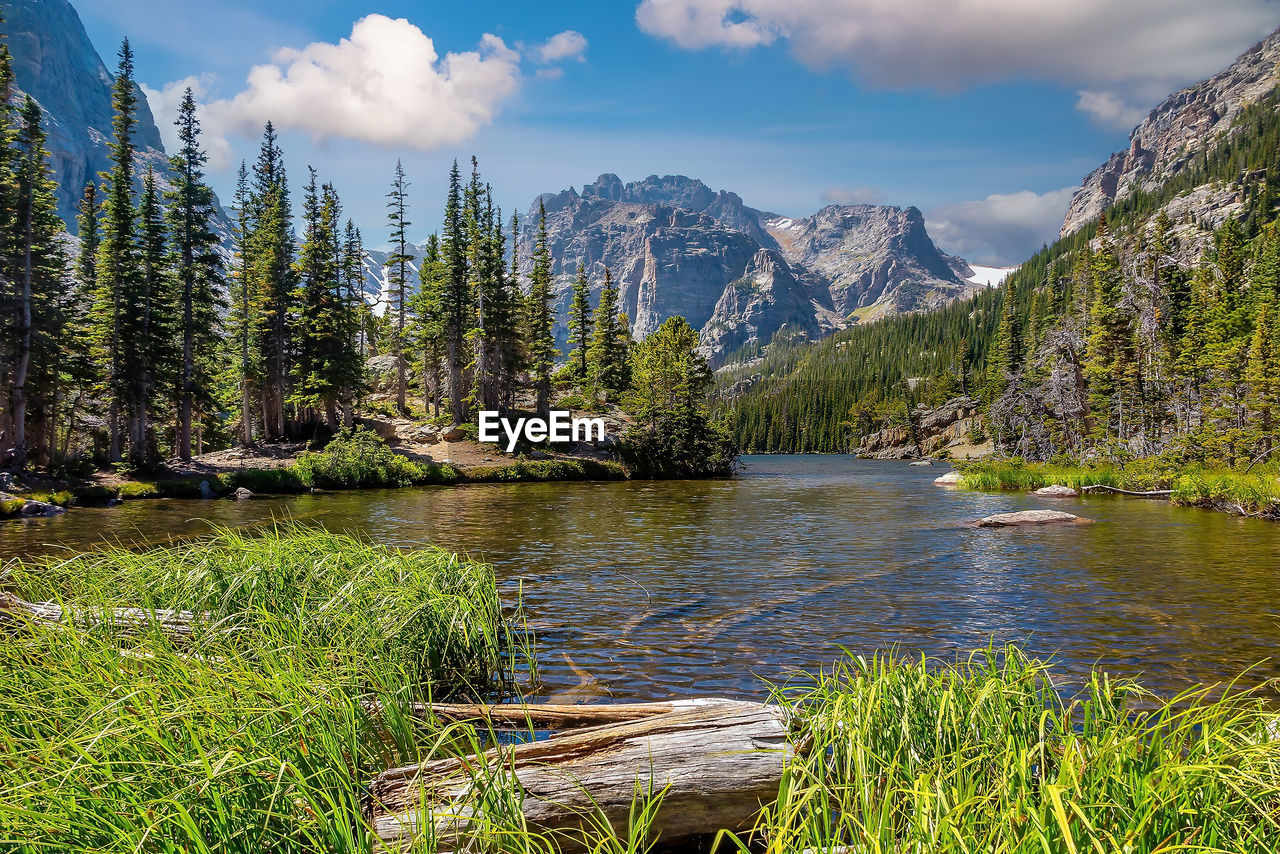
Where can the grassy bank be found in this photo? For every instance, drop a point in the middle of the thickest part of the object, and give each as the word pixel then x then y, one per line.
pixel 986 756
pixel 254 733
pixel 1255 493
pixel 359 460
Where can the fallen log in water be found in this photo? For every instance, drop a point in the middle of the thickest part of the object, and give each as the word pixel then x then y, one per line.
pixel 14 610
pixel 561 715
pixel 716 763
pixel 1155 493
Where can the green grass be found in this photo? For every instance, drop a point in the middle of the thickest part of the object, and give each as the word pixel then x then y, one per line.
pixel 254 734
pixel 1255 492
pixel 985 756
pixel 11 506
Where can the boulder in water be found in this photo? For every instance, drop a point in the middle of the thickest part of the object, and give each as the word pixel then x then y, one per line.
pixel 951 478
pixel 41 508
pixel 242 494
pixel 921 463
pixel 1057 491
pixel 1030 517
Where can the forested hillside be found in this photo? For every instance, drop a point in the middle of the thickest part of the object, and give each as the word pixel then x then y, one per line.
pixel 1154 329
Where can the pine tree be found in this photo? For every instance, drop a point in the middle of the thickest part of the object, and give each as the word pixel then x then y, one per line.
pixel 539 318
pixel 607 356
pixel 40 273
pixel 115 304
pixel 243 308
pixel 1110 341
pixel 456 297
pixel 427 333
pixel 272 248
pixel 580 320
pixel 1006 351
pixel 199 272
pixel 150 357
pixel 397 281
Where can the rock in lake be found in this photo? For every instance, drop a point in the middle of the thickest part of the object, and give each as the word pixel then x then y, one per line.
pixel 1030 517
pixel 921 463
pixel 951 478
pixel 40 508
pixel 1057 491
pixel 242 494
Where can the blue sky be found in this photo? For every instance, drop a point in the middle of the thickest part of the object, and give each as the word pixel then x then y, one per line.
pixel 982 115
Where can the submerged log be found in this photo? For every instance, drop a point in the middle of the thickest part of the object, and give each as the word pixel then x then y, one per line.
pixel 14 610
pixel 715 764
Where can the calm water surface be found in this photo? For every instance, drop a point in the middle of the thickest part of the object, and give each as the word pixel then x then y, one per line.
pixel 641 590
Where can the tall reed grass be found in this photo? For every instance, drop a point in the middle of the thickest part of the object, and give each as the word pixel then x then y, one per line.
pixel 986 756
pixel 256 733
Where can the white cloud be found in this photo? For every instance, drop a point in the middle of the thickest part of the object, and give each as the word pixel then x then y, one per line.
pixel 384 84
pixel 1002 229
pixel 1110 110
pixel 569 44
pixel 946 45
pixel 852 196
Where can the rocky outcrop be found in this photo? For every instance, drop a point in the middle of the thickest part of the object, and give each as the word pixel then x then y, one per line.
pixel 768 298
pixel 55 63
pixel 877 260
pixel 676 247
pixel 946 427
pixel 1185 124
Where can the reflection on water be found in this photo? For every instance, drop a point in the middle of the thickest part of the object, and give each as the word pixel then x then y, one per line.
pixel 653 589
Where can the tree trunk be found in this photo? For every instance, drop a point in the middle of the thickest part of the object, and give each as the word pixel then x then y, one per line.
pixel 715 764
pixel 23 365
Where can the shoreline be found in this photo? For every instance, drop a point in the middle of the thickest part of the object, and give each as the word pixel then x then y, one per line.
pixel 1254 494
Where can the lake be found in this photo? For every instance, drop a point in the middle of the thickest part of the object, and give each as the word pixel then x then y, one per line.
pixel 644 590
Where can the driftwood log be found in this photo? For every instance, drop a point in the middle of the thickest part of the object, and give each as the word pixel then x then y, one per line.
pixel 181 624
pixel 555 716
pixel 715 764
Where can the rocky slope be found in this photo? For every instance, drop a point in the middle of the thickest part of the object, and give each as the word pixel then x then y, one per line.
pixel 1186 123
pixel 739 274
pixel 54 62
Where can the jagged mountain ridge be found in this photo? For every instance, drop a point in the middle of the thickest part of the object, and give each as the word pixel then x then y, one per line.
pixel 54 62
pixel 737 273
pixel 1185 124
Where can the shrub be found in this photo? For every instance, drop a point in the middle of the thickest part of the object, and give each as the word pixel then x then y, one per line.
pixel 354 460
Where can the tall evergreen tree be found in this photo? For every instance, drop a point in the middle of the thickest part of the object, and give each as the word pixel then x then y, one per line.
pixel 398 279
pixel 540 318
pixel 456 297
pixel 150 357
pixel 580 321
pixel 200 273
pixel 243 306
pixel 427 333
pixel 272 248
pixel 116 306
pixel 607 355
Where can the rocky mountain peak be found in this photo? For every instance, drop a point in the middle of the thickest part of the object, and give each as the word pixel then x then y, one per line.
pixel 55 63
pixel 1183 125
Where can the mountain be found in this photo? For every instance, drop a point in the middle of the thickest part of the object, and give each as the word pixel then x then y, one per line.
pixel 740 275
pixel 877 260
pixel 55 63
pixel 1184 125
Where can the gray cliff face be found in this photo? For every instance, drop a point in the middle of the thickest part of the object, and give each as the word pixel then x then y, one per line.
pixel 769 297
pixel 676 247
pixel 56 64
pixel 878 260
pixel 1168 139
